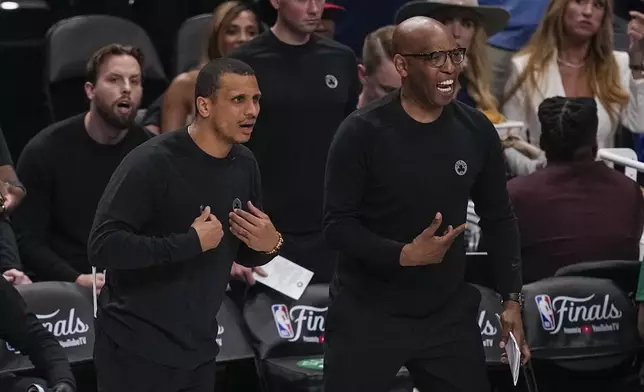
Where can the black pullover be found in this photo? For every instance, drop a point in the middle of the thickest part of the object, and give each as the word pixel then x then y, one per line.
pixel 162 293
pixel 387 177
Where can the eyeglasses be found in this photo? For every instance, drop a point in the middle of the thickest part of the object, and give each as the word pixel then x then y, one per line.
pixel 437 59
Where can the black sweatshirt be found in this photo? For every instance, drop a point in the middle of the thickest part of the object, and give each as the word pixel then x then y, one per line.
pixel 307 91
pixel 22 330
pixel 162 293
pixel 65 172
pixel 387 177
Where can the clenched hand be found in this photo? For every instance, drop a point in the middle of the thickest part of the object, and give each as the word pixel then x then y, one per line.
pixel 208 229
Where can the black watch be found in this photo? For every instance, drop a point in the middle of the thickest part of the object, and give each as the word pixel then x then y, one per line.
pixel 516 297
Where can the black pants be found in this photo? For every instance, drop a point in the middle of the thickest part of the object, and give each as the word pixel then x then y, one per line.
pixel 311 252
pixel 365 348
pixel 117 370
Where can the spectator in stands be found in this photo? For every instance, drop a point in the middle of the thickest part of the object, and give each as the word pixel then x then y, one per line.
pixel 11 194
pixel 309 85
pixel 377 72
pixel 330 17
pixel 524 19
pixel 576 209
pixel 571 54
pixel 22 330
pixel 233 23
pixel 67 166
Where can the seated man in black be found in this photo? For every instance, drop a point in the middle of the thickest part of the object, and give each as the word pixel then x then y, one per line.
pixel 11 194
pixel 67 166
pixel 23 331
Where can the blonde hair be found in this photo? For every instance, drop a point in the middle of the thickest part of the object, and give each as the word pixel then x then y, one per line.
pixel 222 17
pixel 378 45
pixel 603 72
pixel 478 73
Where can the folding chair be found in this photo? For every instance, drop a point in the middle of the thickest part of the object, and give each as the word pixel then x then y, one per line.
pixel 67 56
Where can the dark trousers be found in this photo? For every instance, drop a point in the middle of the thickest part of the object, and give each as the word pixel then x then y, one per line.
pixel 365 348
pixel 117 370
pixel 311 252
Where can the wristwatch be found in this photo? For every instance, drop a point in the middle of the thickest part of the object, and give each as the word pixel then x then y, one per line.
pixel 516 297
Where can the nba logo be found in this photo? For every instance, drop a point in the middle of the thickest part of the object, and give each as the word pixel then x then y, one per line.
pixel 283 321
pixel 546 311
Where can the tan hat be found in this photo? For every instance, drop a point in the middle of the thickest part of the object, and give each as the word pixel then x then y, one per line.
pixel 492 19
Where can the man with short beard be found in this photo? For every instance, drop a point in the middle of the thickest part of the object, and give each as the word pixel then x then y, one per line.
pixel 67 166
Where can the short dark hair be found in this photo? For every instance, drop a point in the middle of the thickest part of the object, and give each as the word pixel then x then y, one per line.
pixel 209 77
pixel 567 124
pixel 103 54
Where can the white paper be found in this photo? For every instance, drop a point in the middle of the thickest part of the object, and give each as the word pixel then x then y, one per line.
pixel 286 277
pixel 514 357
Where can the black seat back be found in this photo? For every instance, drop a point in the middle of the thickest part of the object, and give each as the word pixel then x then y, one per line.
pixel 282 327
pixel 66 60
pixel 489 318
pixel 233 342
pixel 624 273
pixel 192 43
pixel 581 323
pixel 65 309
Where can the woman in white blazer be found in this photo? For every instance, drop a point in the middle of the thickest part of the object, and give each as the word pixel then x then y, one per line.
pixel 571 54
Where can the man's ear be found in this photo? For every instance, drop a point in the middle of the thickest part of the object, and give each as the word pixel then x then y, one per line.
pixel 203 107
pixel 275 4
pixel 362 74
pixel 89 90
pixel 401 65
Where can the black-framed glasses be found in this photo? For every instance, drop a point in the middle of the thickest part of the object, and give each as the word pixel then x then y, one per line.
pixel 437 59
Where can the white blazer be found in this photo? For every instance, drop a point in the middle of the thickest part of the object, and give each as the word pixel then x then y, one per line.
pixel 524 104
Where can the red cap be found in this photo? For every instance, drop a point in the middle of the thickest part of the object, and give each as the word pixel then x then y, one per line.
pixel 329 6
pixel 333 12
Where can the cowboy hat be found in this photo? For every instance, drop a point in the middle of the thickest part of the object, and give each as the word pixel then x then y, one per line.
pixel 492 19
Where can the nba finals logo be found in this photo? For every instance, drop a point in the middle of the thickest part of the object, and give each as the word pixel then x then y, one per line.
pixel 547 313
pixel 283 321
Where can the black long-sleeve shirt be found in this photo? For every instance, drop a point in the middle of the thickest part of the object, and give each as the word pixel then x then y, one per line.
pixel 162 293
pixel 388 176
pixel 65 171
pixel 22 330
pixel 307 91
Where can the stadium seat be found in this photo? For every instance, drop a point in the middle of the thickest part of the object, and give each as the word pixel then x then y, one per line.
pixel 65 309
pixel 583 334
pixel 232 340
pixel 624 273
pixel 191 43
pixel 67 55
pixel 287 336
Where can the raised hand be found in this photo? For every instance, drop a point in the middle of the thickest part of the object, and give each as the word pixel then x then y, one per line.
pixel 429 248
pixel 635 31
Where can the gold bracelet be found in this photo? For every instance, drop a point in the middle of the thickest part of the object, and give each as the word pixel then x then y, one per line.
pixel 280 242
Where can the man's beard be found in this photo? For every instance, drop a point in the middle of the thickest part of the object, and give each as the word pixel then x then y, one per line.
pixel 112 118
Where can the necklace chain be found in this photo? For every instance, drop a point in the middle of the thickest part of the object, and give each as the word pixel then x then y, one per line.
pixel 569 64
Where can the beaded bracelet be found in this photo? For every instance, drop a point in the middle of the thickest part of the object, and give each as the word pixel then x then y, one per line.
pixel 280 242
